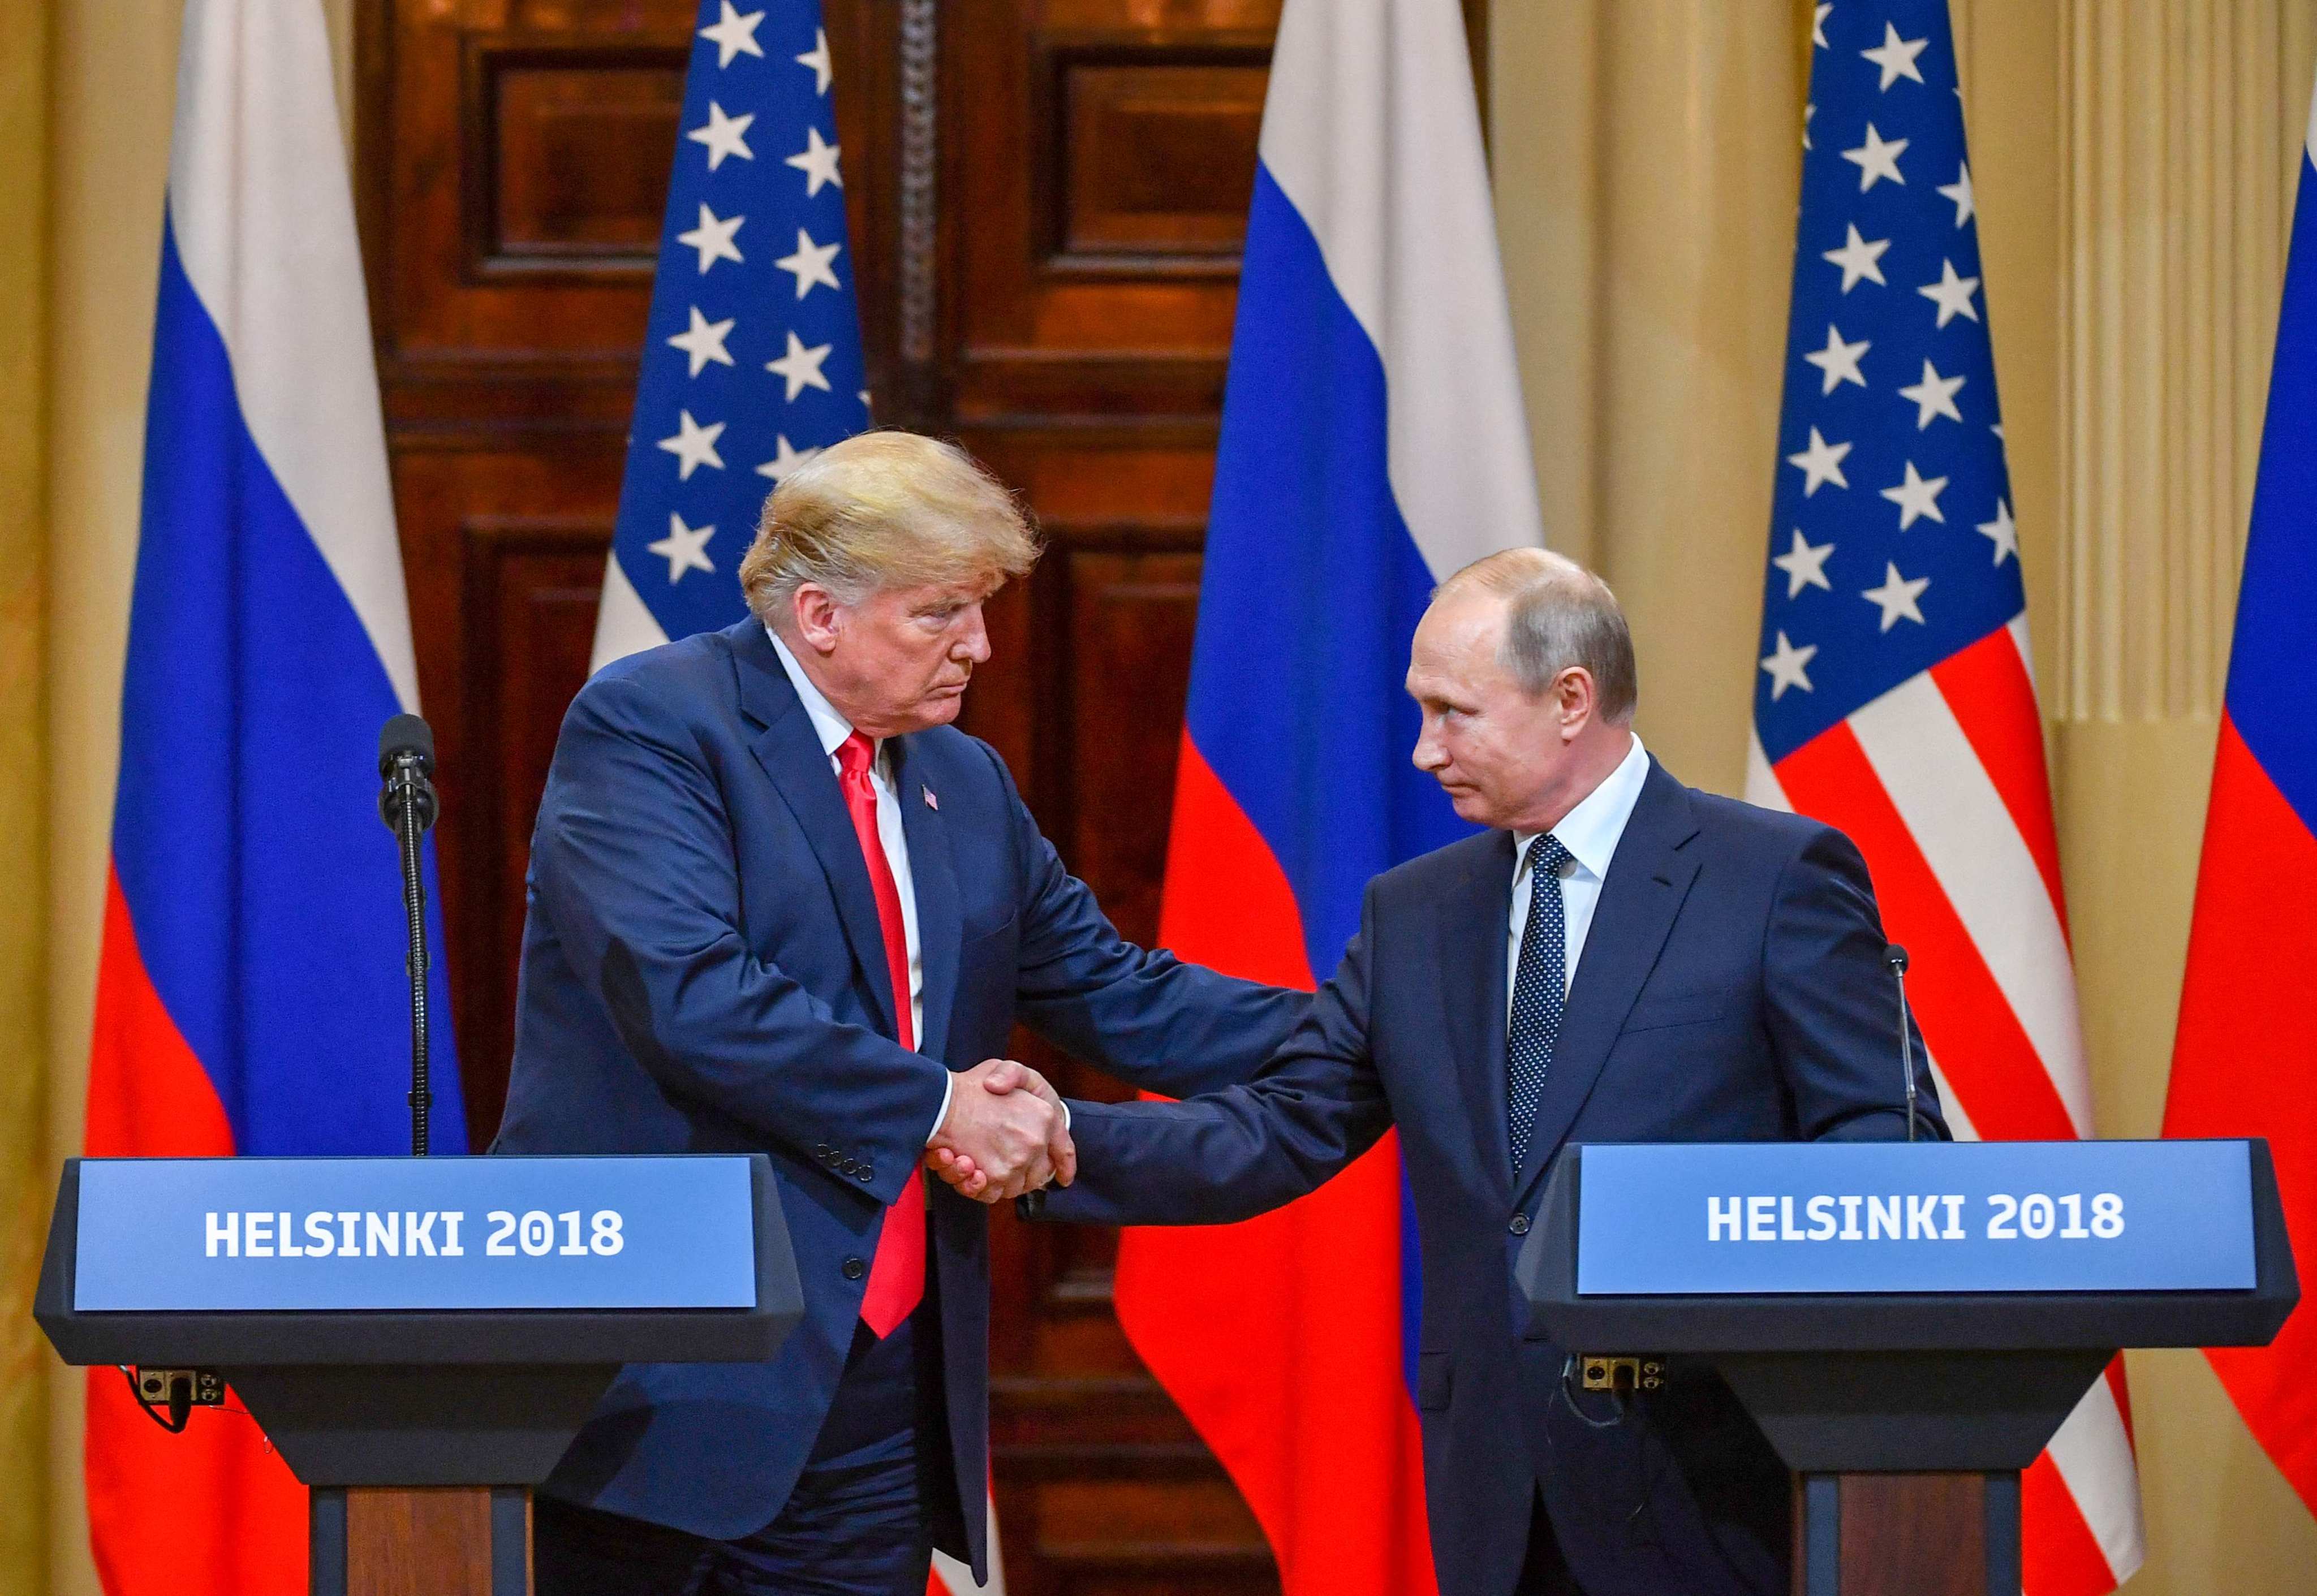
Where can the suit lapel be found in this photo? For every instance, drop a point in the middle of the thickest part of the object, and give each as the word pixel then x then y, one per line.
pixel 932 872
pixel 1648 876
pixel 1473 950
pixel 789 751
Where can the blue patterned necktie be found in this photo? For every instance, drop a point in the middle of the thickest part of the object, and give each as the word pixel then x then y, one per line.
pixel 1540 994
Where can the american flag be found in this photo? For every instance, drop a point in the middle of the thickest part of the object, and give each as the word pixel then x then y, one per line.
pixel 752 358
pixel 1893 698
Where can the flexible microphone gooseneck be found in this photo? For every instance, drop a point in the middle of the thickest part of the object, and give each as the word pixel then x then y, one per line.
pixel 407 804
pixel 1896 958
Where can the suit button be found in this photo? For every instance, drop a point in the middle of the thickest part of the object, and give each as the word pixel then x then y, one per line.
pixel 854 1269
pixel 821 1151
pixel 867 1173
pixel 849 1167
pixel 1519 1225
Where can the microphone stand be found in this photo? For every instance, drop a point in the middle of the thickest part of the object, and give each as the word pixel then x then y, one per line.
pixel 409 806
pixel 1896 958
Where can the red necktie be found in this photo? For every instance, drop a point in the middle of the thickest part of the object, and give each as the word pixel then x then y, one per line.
pixel 897 1277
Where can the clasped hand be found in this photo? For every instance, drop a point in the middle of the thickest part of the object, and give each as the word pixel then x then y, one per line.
pixel 1004 1133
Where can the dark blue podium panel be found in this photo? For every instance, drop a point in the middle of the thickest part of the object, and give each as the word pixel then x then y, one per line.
pixel 1830 1218
pixel 300 1235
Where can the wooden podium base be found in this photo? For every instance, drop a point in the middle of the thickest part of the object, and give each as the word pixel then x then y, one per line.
pixel 450 1540
pixel 1907 1535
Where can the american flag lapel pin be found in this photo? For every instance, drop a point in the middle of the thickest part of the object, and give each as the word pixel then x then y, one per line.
pixel 932 802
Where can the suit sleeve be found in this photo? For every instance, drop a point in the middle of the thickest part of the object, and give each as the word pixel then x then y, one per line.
pixel 1318 1104
pixel 1832 1006
pixel 1142 1014
pixel 632 865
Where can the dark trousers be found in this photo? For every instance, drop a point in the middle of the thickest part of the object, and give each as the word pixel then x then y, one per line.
pixel 876 1496
pixel 1542 1572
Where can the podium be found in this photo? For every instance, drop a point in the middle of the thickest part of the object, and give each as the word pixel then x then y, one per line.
pixel 419 1338
pixel 1909 1324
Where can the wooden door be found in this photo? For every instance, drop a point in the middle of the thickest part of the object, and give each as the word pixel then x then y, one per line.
pixel 1047 198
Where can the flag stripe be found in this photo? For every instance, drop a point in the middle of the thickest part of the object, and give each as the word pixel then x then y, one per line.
pixel 1385 167
pixel 1962 1010
pixel 1932 776
pixel 1988 688
pixel 2108 1501
pixel 2059 1556
pixel 265 228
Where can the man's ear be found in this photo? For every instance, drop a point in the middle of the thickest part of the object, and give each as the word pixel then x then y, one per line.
pixel 818 616
pixel 1578 699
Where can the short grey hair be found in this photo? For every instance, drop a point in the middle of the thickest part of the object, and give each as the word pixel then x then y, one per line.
pixel 885 509
pixel 1559 614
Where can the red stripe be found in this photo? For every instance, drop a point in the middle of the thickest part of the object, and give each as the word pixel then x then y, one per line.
pixel 1993 699
pixel 1966 1020
pixel 213 1511
pixel 1225 895
pixel 1299 1387
pixel 2241 1063
pixel 2058 1556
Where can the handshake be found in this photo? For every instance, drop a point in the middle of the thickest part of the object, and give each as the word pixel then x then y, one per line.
pixel 1006 1134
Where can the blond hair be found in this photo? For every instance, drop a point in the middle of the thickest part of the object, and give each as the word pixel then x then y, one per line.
pixel 884 510
pixel 1559 614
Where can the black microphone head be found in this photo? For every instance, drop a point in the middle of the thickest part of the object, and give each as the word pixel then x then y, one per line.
pixel 1896 958
pixel 406 734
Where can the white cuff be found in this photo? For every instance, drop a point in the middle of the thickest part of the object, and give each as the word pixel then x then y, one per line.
pixel 949 1085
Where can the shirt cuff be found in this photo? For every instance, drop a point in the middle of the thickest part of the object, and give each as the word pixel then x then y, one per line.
pixel 948 1084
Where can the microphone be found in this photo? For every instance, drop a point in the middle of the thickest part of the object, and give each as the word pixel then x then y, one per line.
pixel 1896 958
pixel 409 806
pixel 406 760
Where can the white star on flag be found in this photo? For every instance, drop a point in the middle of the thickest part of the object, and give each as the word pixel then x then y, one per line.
pixel 1821 462
pixel 786 459
pixel 1818 13
pixel 1959 191
pixel 713 238
pixel 684 547
pixel 1839 360
pixel 811 264
pixel 1858 258
pixel 1897 595
pixel 1951 294
pixel 1916 497
pixel 1934 395
pixel 2002 533
pixel 1804 565
pixel 801 367
pixel 1896 56
pixel 723 136
pixel 703 340
pixel 818 162
pixel 1876 158
pixel 817 57
pixel 735 35
pixel 1789 667
pixel 695 445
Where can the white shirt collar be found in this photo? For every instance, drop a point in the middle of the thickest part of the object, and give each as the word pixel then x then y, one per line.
pixel 833 728
pixel 1590 831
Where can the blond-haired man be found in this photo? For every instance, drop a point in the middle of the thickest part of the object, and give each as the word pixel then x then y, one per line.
pixel 779 903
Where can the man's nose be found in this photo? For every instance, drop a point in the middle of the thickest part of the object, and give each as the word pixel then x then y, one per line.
pixel 973 641
pixel 1428 755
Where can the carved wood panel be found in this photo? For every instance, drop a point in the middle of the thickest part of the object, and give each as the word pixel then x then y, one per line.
pixel 1046 202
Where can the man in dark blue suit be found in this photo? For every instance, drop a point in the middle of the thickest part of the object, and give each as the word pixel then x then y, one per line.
pixel 1618 958
pixel 778 904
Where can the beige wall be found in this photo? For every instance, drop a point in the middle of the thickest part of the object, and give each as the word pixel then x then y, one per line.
pixel 2132 166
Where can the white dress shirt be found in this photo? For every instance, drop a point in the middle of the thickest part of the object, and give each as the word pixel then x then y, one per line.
pixel 1589 832
pixel 833 729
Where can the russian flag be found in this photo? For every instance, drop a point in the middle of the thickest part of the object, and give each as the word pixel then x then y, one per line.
pixel 2244 1062
pixel 250 991
pixel 1372 442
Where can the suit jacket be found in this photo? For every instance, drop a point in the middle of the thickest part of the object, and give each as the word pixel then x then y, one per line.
pixel 703 971
pixel 1731 988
